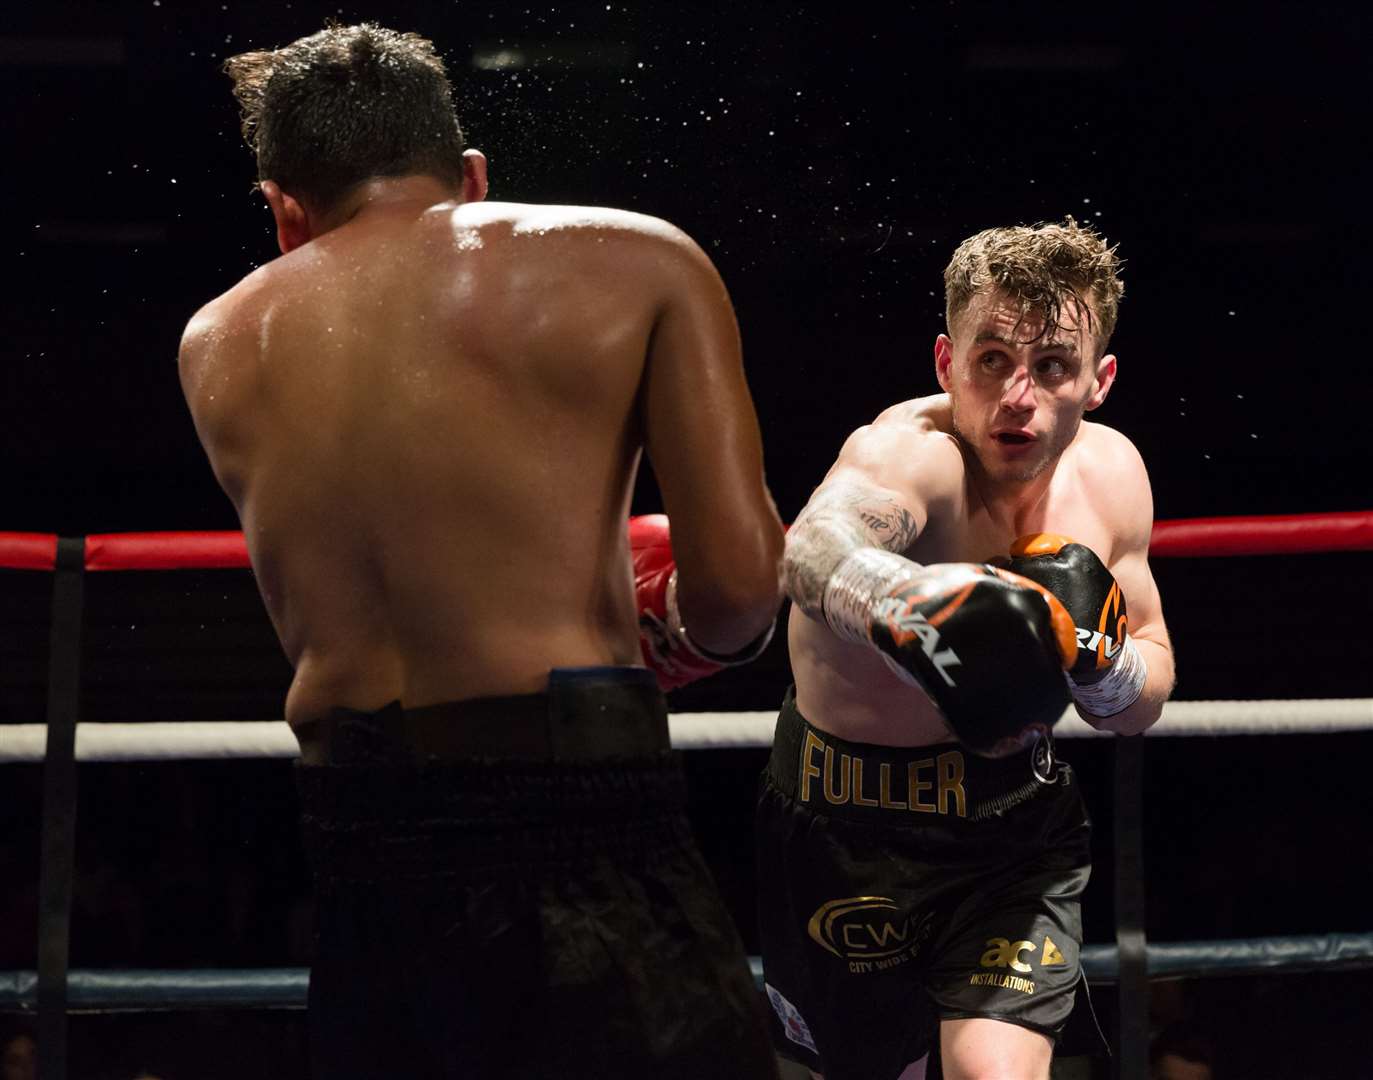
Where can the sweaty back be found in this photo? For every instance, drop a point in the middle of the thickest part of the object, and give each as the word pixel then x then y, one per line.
pixel 436 452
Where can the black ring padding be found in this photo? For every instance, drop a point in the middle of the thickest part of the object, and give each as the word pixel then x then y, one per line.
pixel 150 990
pixel 1296 954
pixel 1132 1057
pixel 165 990
pixel 57 866
pixel 71 553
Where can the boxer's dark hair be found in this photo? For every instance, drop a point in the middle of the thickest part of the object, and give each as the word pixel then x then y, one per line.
pixel 344 105
pixel 1043 268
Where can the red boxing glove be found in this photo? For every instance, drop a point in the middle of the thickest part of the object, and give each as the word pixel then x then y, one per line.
pixel 667 648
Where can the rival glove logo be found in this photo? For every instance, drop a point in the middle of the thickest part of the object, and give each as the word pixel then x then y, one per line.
pixel 905 624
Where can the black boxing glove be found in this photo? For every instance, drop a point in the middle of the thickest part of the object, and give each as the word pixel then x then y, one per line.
pixel 1109 673
pixel 986 646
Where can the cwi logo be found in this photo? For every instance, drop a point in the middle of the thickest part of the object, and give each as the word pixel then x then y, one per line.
pixel 865 928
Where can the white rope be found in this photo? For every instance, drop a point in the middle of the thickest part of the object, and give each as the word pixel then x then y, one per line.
pixel 1308 716
pixel 157 741
pixel 690 731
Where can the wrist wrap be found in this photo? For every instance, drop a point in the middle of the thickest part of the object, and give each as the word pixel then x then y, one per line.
pixel 854 587
pixel 1118 689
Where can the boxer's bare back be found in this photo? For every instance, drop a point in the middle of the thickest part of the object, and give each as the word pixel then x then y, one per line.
pixel 429 419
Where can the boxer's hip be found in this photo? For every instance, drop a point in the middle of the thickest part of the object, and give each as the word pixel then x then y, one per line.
pixel 904 786
pixel 582 770
pixel 585 714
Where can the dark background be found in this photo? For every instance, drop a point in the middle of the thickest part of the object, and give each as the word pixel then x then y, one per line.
pixel 828 158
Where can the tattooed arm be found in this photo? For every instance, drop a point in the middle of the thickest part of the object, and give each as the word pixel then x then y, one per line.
pixel 844 513
pixel 888 479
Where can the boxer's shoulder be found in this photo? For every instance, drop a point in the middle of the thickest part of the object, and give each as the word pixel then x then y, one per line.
pixel 1105 456
pixel 559 223
pixel 1099 435
pixel 220 346
pixel 640 251
pixel 212 331
pixel 1112 475
pixel 903 451
pixel 237 308
pixel 929 414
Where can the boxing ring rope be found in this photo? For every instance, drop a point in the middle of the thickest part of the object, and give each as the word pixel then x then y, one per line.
pixel 1272 534
pixel 153 989
pixel 54 990
pixel 193 740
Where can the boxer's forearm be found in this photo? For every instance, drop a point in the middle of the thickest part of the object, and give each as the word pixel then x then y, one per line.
pixel 1147 708
pixel 729 586
pixel 840 519
pixel 726 620
pixel 815 547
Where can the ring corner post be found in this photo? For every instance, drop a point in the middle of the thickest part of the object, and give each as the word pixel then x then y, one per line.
pixel 1132 1061
pixel 56 870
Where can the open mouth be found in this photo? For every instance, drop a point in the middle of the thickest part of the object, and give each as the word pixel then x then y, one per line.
pixel 1012 438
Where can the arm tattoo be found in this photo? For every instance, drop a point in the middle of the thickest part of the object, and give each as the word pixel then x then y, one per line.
pixel 837 521
pixel 890 524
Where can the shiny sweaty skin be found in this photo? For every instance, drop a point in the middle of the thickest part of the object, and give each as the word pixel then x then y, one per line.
pixel 847 688
pixel 957 477
pixel 937 485
pixel 430 418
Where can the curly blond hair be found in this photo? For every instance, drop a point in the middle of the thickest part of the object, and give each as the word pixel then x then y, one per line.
pixel 1043 269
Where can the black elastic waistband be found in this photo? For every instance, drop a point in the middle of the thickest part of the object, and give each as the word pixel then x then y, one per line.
pixel 895 785
pixel 586 714
pixel 441 817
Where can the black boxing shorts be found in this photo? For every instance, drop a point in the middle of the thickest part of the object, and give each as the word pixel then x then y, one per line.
pixel 508 887
pixel 902 886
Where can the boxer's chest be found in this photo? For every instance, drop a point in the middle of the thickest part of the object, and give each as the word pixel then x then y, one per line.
pixel 985 530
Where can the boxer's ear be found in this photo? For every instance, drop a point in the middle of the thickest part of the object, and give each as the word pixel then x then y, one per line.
pixel 473 176
pixel 1103 381
pixel 943 360
pixel 293 223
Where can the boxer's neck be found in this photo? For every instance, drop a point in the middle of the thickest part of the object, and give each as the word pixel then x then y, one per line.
pixel 387 194
pixel 1014 504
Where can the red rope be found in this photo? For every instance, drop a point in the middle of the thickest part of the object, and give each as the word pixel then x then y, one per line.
pixel 1284 534
pixel 28 551
pixel 1278 534
pixel 167 551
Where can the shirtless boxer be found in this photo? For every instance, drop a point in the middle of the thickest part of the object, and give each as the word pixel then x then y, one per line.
pixel 921 852
pixel 429 413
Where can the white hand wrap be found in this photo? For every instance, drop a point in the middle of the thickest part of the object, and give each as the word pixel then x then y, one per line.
pixel 1119 689
pixel 857 584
